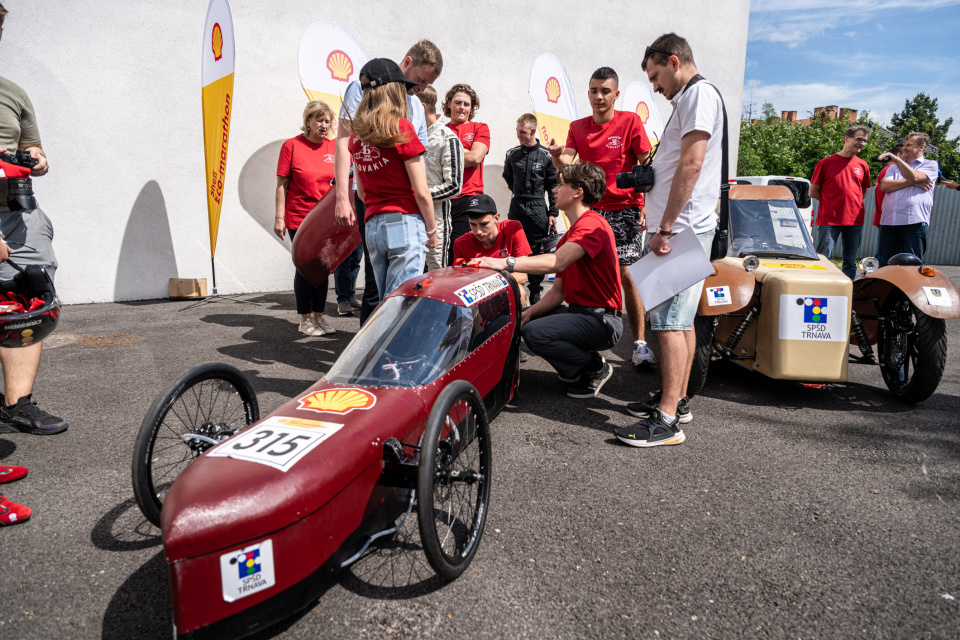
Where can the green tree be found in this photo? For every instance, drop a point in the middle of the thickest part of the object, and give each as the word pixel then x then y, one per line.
pixel 920 115
pixel 769 113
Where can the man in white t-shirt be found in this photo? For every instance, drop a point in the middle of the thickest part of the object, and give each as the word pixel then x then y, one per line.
pixel 422 64
pixel 684 196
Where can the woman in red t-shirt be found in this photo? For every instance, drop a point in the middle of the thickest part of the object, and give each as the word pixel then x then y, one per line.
pixel 304 174
pixel 391 177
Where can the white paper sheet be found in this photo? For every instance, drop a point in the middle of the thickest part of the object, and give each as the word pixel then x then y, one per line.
pixel 661 277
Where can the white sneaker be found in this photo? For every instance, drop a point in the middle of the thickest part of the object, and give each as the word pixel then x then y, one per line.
pixel 642 354
pixel 322 324
pixel 309 328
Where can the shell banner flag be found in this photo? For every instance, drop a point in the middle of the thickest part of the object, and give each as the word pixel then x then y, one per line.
pixel 639 99
pixel 329 59
pixel 552 97
pixel 217 74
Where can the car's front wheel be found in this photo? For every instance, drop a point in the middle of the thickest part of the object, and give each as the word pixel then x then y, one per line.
pixel 913 349
pixel 704 327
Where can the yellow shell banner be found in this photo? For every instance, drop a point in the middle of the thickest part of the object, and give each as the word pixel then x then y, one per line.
pixel 638 97
pixel 328 60
pixel 551 98
pixel 340 401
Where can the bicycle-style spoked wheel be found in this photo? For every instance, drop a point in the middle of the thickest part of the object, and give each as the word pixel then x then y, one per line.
pixel 204 406
pixel 453 482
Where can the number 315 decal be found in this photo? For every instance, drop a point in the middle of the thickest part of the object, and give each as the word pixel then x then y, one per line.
pixel 277 442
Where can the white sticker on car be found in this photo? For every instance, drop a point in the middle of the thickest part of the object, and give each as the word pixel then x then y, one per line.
pixel 813 317
pixel 247 571
pixel 937 296
pixel 277 442
pixel 717 296
pixel 481 289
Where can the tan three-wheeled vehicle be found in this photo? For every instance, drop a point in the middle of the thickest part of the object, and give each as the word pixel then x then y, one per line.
pixel 776 307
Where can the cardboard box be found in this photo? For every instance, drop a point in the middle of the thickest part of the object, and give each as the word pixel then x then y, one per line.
pixel 188 288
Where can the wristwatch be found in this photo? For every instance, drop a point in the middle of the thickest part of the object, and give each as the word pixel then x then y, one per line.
pixel 511 263
pixel 663 232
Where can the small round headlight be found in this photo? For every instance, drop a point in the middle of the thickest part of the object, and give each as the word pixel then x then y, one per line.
pixel 869 265
pixel 750 263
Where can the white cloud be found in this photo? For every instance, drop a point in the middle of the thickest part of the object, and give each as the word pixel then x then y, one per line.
pixel 880 27
pixel 751 63
pixel 851 34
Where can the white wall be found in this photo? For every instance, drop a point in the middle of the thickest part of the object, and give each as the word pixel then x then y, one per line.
pixel 117 89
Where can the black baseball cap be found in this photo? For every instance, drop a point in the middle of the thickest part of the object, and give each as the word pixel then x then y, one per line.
pixel 480 204
pixel 381 71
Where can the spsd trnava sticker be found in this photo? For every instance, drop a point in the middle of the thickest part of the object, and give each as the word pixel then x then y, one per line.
pixel 814 317
pixel 481 289
pixel 717 296
pixel 246 571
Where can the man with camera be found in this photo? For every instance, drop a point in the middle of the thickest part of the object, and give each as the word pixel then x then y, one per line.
pixel 687 166
pixel 615 141
pixel 26 236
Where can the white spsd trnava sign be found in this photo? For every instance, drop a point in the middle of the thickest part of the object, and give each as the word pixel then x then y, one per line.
pixel 812 317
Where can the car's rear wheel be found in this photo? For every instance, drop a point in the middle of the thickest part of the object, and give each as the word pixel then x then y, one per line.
pixel 704 327
pixel 913 349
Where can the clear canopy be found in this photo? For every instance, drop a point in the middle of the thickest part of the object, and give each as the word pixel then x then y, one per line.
pixel 768 228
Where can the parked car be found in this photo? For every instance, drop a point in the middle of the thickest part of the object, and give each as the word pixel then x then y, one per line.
pixel 776 307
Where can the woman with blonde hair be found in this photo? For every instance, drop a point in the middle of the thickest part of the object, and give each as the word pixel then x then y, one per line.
pixel 304 176
pixel 391 177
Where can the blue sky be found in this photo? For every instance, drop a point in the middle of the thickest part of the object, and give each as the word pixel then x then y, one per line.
pixel 860 54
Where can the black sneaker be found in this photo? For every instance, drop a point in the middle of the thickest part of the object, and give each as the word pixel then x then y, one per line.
pixel 27 417
pixel 344 308
pixel 576 376
pixel 651 432
pixel 644 409
pixel 534 298
pixel 591 382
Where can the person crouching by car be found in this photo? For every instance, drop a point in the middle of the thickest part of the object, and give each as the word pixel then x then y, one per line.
pixel 489 237
pixel 588 280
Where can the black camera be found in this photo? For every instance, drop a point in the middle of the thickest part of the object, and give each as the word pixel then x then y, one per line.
pixel 877 159
pixel 20 190
pixel 640 179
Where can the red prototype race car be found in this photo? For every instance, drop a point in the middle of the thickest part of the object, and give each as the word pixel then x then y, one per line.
pixel 257 515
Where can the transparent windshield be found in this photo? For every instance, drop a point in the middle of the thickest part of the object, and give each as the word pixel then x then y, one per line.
pixel 407 342
pixel 768 228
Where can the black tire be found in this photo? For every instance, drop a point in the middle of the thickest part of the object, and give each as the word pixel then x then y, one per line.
pixel 913 349
pixel 214 400
pixel 704 326
pixel 453 481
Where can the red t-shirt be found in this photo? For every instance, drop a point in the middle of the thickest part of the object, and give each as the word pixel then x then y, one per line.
pixel 470 132
pixel 878 195
pixel 594 279
pixel 511 241
pixel 383 176
pixel 310 168
pixel 614 147
pixel 842 181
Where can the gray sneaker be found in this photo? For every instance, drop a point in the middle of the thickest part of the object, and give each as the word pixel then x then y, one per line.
pixel 344 308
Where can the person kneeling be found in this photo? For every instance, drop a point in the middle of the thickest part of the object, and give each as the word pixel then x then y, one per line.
pixel 588 280
pixel 489 237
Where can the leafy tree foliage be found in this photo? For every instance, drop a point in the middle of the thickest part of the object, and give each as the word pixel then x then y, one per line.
pixel 920 115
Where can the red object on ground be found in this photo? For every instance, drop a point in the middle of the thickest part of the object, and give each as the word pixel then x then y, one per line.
pixel 13 513
pixel 321 243
pixel 812 385
pixel 9 474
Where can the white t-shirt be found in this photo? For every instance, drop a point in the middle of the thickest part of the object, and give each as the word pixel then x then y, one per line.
pixel 697 108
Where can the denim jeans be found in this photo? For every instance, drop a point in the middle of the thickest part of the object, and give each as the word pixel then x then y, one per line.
pixel 677 313
pixel 396 249
pixel 901 238
pixel 827 239
pixel 345 276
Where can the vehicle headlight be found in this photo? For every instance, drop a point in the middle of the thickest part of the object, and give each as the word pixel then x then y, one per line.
pixel 750 263
pixel 869 265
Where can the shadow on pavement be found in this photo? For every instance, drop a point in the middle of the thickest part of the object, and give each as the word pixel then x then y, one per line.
pixel 7 447
pixel 140 608
pixel 124 528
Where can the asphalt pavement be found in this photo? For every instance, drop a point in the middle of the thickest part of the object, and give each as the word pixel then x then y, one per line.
pixel 789 512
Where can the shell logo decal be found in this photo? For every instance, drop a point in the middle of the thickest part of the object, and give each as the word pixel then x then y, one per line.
pixel 341 401
pixel 340 65
pixel 552 89
pixel 643 111
pixel 216 42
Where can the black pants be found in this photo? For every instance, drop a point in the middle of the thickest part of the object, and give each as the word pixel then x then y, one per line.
pixel 371 297
pixel 310 299
pixel 570 337
pixel 459 222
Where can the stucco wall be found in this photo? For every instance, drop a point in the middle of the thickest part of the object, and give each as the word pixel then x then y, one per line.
pixel 117 89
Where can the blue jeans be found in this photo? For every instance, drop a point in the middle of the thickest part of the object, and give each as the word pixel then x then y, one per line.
pixel 827 239
pixel 345 276
pixel 901 238
pixel 677 313
pixel 396 249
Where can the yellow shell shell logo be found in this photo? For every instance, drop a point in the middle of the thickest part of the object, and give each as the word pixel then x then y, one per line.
pixel 340 65
pixel 553 90
pixel 643 111
pixel 341 401
pixel 216 42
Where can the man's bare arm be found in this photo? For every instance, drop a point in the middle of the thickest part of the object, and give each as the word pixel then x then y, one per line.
pixel 561 156
pixel 341 170
pixel 475 155
pixel 815 191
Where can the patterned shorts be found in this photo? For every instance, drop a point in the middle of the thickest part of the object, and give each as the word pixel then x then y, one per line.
pixel 626 233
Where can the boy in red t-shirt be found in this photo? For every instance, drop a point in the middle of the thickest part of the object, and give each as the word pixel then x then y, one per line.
pixel 840 183
pixel 588 280
pixel 615 141
pixel 491 238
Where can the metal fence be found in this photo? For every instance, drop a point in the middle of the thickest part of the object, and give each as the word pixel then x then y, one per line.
pixel 943 237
